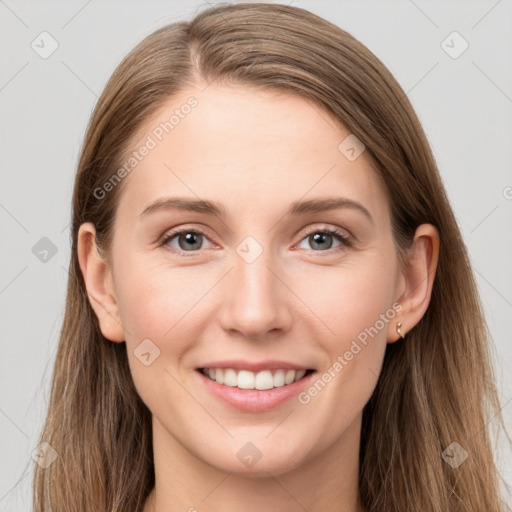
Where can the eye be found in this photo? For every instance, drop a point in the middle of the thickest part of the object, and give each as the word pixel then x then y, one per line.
pixel 322 239
pixel 188 240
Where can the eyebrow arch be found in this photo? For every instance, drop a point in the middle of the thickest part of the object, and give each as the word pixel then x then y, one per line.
pixel 324 204
pixel 216 209
pixel 192 205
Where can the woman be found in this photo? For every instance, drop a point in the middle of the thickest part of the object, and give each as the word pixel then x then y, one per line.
pixel 215 355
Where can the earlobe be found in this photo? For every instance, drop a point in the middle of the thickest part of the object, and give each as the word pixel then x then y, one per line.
pixel 99 283
pixel 418 275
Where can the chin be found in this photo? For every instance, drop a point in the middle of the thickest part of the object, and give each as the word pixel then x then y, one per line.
pixel 256 460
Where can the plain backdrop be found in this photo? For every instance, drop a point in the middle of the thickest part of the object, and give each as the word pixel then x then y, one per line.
pixel 463 99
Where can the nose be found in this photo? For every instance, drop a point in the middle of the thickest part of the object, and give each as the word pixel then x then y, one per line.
pixel 256 302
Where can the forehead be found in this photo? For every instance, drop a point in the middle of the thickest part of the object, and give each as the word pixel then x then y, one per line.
pixel 250 147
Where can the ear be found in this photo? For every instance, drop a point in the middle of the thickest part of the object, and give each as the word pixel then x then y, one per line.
pixel 417 279
pixel 99 283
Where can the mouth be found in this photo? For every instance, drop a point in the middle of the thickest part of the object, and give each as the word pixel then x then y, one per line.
pixel 253 391
pixel 261 381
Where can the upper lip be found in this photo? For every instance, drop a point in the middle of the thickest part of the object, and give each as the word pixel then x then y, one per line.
pixel 253 366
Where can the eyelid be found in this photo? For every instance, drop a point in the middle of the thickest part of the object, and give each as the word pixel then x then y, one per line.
pixel 327 228
pixel 185 227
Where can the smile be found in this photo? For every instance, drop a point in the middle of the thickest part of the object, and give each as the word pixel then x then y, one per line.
pixel 245 379
pixel 253 387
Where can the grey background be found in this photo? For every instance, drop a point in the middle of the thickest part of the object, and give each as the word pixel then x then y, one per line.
pixel 465 105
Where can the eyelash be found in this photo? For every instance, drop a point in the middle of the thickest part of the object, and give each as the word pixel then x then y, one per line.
pixel 345 241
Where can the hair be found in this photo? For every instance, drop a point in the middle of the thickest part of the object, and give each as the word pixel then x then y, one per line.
pixel 436 387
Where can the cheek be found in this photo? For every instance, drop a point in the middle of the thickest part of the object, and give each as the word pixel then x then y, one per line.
pixel 350 298
pixel 156 304
pixel 162 310
pixel 354 305
pixel 158 300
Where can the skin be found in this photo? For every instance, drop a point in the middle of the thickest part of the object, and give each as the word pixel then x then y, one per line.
pixel 255 152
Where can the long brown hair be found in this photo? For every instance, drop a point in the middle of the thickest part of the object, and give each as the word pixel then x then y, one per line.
pixel 436 387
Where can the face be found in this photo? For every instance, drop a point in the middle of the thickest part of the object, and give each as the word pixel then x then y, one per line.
pixel 266 285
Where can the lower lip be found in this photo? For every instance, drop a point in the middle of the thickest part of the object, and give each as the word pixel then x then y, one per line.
pixel 253 400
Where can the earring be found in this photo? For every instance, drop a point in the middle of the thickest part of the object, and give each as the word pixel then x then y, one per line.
pixel 399 330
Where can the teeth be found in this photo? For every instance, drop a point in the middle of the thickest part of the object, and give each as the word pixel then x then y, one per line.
pixel 289 377
pixel 244 379
pixel 230 378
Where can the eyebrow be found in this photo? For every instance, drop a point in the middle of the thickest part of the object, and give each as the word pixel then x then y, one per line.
pixel 216 209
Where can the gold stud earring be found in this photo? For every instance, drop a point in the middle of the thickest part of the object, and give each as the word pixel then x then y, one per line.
pixel 399 330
